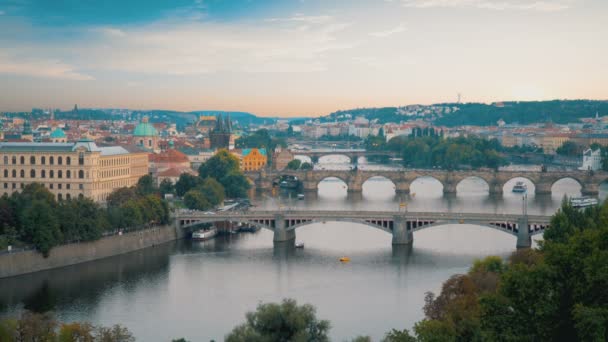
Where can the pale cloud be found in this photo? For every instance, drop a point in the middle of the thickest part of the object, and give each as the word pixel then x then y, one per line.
pixel 110 31
pixel 308 19
pixel 522 5
pixel 381 34
pixel 45 68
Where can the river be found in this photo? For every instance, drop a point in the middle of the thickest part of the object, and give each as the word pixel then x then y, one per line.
pixel 200 291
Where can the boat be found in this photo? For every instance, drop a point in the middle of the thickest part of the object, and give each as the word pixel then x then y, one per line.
pixel 248 228
pixel 583 202
pixel 202 235
pixel 300 245
pixel 344 259
pixel 520 187
pixel 300 196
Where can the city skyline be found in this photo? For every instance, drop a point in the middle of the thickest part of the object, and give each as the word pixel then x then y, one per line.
pixel 298 58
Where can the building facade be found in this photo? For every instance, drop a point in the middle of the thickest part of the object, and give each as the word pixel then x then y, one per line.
pixel 281 158
pixel 592 160
pixel 70 170
pixel 253 159
pixel 221 133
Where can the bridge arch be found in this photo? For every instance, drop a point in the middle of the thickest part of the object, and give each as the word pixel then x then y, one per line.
pixel 478 188
pixel 266 224
pixel 384 225
pixel 507 186
pixel 379 187
pixel 427 185
pixel 567 185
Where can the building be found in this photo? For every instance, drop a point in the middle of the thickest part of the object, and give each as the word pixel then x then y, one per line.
pixel 592 160
pixel 168 163
pixel 281 158
pixel 146 136
pixel 27 133
pixel 58 136
pixel 221 133
pixel 253 159
pixel 70 170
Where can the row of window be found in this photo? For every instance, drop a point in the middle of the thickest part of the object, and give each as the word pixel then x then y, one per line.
pixel 115 162
pixel 112 173
pixel 43 159
pixel 43 174
pixel 50 186
pixel 60 196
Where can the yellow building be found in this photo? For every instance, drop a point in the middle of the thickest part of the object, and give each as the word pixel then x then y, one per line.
pixel 253 159
pixel 70 170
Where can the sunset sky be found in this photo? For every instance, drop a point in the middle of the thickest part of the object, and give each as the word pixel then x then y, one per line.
pixel 298 57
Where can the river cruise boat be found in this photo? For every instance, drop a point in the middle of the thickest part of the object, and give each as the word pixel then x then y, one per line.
pixel 300 196
pixel 202 235
pixel 520 187
pixel 300 245
pixel 583 202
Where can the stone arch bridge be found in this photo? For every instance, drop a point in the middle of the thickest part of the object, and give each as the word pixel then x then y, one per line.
pixel 496 180
pixel 352 154
pixel 399 224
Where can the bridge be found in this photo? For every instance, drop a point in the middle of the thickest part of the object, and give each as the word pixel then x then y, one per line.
pixel 352 154
pixel 401 225
pixel 496 180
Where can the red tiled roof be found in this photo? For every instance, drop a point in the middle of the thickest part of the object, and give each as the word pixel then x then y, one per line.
pixel 169 156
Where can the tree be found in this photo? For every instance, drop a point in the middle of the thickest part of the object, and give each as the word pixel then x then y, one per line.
pixel 570 149
pixel 117 333
pixel 145 185
pixel 294 164
pixel 166 187
pixel 290 131
pixel 306 166
pixel 236 185
pixel 41 226
pixel 121 196
pixel 281 322
pixel 398 336
pixel 220 165
pixel 194 199
pixel 76 332
pixel 185 183
pixel 213 191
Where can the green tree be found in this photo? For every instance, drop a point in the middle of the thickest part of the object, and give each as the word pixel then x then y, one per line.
pixel 213 191
pixel 294 164
pixel 121 196
pixel 41 225
pixel 306 166
pixel 236 185
pixel 145 186
pixel 185 183
pixel 194 199
pixel 398 336
pixel 287 321
pixel 166 187
pixel 220 165
pixel 76 332
pixel 570 149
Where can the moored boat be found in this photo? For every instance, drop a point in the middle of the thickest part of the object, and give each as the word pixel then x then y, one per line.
pixel 202 235
pixel 520 187
pixel 300 245
pixel 583 202
pixel 300 196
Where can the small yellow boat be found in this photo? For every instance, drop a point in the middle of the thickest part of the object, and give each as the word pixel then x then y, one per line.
pixel 344 259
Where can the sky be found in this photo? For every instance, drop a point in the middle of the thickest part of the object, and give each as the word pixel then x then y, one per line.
pixel 298 57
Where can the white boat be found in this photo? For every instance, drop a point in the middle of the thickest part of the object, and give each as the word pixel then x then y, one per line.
pixel 300 245
pixel 202 235
pixel 300 196
pixel 520 187
pixel 583 202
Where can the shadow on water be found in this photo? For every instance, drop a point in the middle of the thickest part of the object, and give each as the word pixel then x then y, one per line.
pixel 50 290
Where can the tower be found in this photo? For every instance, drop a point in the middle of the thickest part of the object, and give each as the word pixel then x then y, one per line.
pixel 220 135
pixel 146 136
pixel 27 131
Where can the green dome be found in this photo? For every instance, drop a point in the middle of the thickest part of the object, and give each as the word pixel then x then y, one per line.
pixel 58 134
pixel 145 129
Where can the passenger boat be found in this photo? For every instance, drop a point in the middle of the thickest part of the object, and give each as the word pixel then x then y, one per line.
pixel 520 187
pixel 344 259
pixel 300 196
pixel 202 235
pixel 300 245
pixel 583 202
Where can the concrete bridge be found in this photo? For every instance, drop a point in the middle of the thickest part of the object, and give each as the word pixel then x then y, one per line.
pixel 352 154
pixel 401 225
pixel 496 180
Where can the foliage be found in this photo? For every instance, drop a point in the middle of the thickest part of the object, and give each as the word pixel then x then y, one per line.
pixel 281 322
pixel 145 186
pixel 451 153
pixel 306 166
pixel 166 186
pixel 294 164
pixel 185 183
pixel 194 199
pixel 398 336
pixel 570 149
pixel 224 167
pixel 260 139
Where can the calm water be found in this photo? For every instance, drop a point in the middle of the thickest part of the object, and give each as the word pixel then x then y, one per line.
pixel 202 290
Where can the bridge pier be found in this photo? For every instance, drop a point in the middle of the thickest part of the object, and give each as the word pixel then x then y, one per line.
pixel 543 188
pixel 449 188
pixel 401 235
pixel 281 234
pixel 355 187
pixel 402 188
pixel 524 240
pixel 496 188
pixel 309 186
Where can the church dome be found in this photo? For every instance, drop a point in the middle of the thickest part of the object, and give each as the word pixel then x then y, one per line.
pixel 145 129
pixel 58 134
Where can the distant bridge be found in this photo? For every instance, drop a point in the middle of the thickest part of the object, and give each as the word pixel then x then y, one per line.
pixel 496 180
pixel 401 225
pixel 352 154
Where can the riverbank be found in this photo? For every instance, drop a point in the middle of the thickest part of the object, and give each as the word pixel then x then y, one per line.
pixel 30 261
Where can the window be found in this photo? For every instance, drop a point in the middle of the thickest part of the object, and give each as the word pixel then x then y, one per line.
pixel 22 173
pixel 150 143
pixel 43 174
pixel 67 186
pixel 81 158
pixel 68 197
pixel 5 160
pixel 59 174
pixel 59 186
pixel 59 197
pixel 43 160
pixel 33 160
pixel 68 160
pixel 14 185
pixel 81 186
pixel 32 173
pixel 51 186
pixel 59 160
pixel 22 160
pixel 5 173
pixel 14 160
pixel 51 160
pixel 51 174
pixel 14 173
pixel 68 173
pixel 22 186
pixel 80 174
